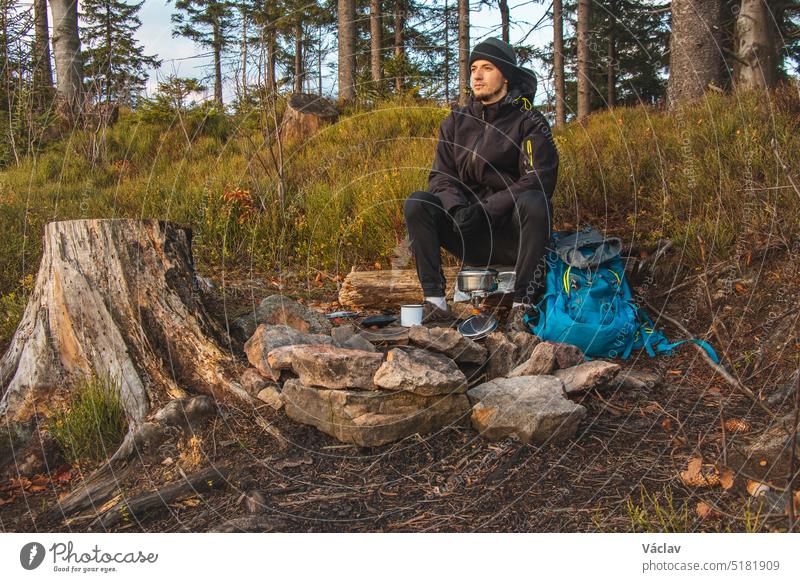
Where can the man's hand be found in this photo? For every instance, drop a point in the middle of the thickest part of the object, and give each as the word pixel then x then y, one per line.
pixel 470 220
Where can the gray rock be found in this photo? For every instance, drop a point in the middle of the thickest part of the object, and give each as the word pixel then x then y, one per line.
pixel 252 381
pixel 272 396
pixel 531 408
pixel 766 455
pixel 268 337
pixel 449 342
pixel 347 336
pixel 371 419
pixel 587 376
pixel 636 380
pixel 327 366
pixel 548 357
pixel 282 310
pixel 342 333
pixel 421 372
pixel 502 353
pixel 525 343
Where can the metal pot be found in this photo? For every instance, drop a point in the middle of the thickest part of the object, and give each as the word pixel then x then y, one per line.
pixel 471 280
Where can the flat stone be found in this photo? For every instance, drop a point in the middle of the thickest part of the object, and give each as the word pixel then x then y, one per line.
pixel 546 358
pixel 272 396
pixel 448 341
pixel 530 408
pixel 281 310
pixel 502 354
pixel 587 376
pixel 420 371
pixel 327 366
pixel 252 381
pixel 375 418
pixel 386 336
pixel 268 337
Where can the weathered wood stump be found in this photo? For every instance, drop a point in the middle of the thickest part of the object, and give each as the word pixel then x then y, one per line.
pixel 117 298
pixel 389 288
pixel 305 114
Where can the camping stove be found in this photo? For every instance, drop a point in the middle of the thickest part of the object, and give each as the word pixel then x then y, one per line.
pixel 478 284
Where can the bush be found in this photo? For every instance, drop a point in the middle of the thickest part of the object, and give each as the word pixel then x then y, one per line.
pixel 93 424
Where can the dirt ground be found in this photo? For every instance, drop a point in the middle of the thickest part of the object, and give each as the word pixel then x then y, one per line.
pixel 619 473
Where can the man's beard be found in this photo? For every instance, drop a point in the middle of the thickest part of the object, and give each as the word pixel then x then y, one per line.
pixel 491 95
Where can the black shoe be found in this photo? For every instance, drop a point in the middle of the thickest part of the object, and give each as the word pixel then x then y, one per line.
pixel 433 314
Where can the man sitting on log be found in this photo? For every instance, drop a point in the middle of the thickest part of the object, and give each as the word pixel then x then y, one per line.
pixel 490 188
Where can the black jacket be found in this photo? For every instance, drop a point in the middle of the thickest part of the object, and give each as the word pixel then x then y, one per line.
pixel 493 153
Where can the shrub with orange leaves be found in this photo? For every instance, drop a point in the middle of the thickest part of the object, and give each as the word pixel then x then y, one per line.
pixel 241 202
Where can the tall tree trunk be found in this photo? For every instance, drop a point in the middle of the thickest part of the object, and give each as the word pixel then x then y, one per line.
pixel 611 75
pixel 244 52
pixel 67 49
pixel 110 45
pixel 319 61
pixel 584 82
pixel 271 83
pixel 505 17
pixel 43 70
pixel 217 48
pixel 298 54
pixel 446 52
pixel 347 50
pixel 756 38
pixel 399 43
pixel 376 41
pixel 463 50
pixel 558 62
pixel 695 57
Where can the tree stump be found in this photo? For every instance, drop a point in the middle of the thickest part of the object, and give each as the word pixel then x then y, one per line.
pixel 305 114
pixel 118 298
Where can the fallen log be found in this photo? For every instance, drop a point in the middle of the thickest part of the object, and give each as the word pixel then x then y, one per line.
pixel 389 288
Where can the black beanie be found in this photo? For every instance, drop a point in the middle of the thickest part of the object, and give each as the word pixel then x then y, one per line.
pixel 499 53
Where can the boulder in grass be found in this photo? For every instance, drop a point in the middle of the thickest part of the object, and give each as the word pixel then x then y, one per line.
pixel 420 371
pixel 530 408
pixel 447 341
pixel 587 376
pixel 327 366
pixel 374 418
pixel 282 310
pixel 268 337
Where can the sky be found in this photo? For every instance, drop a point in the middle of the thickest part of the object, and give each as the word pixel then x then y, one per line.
pixel 180 55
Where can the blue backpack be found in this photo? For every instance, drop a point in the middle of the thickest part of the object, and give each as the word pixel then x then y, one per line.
pixel 588 303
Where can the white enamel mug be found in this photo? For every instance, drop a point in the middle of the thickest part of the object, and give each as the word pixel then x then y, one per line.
pixel 410 315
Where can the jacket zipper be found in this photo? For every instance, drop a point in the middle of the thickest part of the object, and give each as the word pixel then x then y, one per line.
pixel 480 136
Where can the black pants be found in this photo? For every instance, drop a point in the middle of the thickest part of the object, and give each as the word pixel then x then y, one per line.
pixel 520 239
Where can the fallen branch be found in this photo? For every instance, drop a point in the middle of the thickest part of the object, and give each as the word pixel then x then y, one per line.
pixel 149 503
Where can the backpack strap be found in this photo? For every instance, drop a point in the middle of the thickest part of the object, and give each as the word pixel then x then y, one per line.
pixel 661 345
